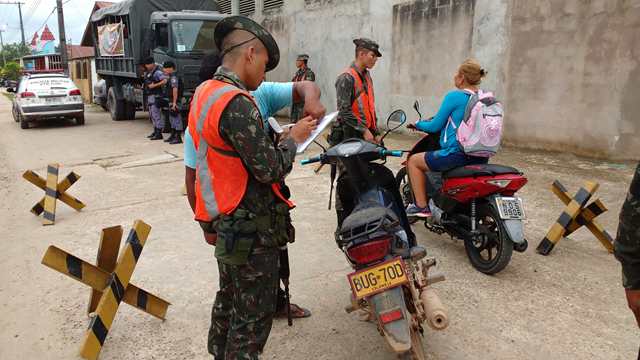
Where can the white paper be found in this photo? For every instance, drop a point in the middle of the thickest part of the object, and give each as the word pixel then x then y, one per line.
pixel 321 126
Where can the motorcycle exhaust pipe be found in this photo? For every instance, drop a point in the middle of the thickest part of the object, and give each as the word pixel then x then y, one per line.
pixel 435 312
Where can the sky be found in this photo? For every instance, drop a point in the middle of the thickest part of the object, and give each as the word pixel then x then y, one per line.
pixel 35 13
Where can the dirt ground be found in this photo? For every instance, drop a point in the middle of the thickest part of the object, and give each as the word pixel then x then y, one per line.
pixel 569 305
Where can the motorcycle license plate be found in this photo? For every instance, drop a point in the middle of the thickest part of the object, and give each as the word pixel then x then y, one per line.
pixel 381 277
pixel 510 208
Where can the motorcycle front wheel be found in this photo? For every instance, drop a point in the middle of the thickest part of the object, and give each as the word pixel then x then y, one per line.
pixel 489 251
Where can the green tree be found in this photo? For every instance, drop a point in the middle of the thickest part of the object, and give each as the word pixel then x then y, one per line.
pixel 11 71
pixel 13 52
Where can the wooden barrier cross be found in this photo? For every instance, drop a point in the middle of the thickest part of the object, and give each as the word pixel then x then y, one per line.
pixel 53 191
pixel 576 215
pixel 109 281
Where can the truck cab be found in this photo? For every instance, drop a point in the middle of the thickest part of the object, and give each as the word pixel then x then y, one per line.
pixel 184 37
pixel 127 32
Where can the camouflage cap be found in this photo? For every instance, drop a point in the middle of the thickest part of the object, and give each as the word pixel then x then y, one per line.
pixel 231 23
pixel 369 45
pixel 303 57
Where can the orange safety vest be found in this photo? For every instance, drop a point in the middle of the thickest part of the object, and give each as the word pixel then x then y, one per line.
pixel 221 177
pixel 363 107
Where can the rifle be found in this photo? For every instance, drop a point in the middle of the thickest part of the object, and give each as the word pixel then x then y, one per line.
pixel 284 276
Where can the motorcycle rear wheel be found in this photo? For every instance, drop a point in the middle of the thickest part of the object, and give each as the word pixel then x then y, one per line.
pixel 492 252
pixel 402 181
pixel 417 350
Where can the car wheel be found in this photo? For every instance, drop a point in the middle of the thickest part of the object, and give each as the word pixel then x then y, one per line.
pixel 80 119
pixel 24 123
pixel 116 107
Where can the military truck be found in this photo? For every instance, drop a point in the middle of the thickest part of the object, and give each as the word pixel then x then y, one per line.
pixel 126 33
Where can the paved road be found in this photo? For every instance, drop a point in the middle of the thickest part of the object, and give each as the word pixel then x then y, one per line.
pixel 565 306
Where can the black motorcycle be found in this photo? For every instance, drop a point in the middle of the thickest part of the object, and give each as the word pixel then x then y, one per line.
pixel 391 276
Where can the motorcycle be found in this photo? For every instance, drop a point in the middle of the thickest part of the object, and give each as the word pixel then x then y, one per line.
pixel 392 275
pixel 473 203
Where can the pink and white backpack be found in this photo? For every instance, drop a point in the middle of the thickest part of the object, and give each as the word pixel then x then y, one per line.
pixel 480 131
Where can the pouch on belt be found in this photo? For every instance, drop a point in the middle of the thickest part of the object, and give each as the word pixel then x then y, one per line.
pixel 236 236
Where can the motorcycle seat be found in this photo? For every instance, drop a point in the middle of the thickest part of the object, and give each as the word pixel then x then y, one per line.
pixel 479 170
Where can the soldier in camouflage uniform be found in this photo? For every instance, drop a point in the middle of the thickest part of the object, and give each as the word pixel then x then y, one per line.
pixel 249 237
pixel 349 125
pixel 303 73
pixel 627 245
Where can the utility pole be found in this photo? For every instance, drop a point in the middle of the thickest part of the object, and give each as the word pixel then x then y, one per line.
pixel 19 12
pixel 21 24
pixel 63 40
pixel 4 61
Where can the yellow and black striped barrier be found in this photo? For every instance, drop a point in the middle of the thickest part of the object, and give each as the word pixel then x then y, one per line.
pixel 109 281
pixel 576 215
pixel 53 191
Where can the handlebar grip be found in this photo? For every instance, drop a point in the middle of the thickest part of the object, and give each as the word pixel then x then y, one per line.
pixel 396 153
pixel 310 160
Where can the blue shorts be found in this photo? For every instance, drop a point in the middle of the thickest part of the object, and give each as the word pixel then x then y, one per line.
pixel 441 163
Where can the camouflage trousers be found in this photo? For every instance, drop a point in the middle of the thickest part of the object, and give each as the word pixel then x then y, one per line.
pixel 156 116
pixel 243 311
pixel 296 111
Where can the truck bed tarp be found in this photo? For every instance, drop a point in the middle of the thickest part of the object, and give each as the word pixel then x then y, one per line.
pixel 139 12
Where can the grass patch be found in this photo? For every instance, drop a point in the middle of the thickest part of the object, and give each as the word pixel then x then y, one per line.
pixel 9 96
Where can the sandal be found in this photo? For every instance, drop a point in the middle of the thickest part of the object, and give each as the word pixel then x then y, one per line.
pixel 297 312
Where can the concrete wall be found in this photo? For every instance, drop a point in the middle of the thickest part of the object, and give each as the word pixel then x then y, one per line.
pixel 573 76
pixel 564 69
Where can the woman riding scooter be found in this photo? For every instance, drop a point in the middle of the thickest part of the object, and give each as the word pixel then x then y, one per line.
pixel 444 123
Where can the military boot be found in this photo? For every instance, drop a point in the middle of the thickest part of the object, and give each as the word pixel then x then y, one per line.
pixel 157 135
pixel 170 138
pixel 177 139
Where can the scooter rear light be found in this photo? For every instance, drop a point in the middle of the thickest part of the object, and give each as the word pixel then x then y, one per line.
pixel 391 316
pixel 370 251
pixel 499 183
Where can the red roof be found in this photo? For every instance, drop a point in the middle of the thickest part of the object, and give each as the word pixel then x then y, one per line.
pixel 34 41
pixel 46 34
pixel 79 52
pixel 103 4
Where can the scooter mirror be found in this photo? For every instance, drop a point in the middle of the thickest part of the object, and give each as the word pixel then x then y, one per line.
pixel 398 116
pixel 395 119
pixel 416 106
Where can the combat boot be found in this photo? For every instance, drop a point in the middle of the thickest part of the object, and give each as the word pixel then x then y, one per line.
pixel 177 139
pixel 170 138
pixel 157 135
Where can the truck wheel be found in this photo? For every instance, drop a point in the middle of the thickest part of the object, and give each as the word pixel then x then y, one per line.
pixel 116 107
pixel 130 111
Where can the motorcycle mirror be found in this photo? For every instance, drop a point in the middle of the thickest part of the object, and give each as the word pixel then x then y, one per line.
pixel 416 106
pixel 397 116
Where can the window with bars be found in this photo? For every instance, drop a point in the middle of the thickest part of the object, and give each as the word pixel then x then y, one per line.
pixel 247 7
pixel 225 6
pixel 272 4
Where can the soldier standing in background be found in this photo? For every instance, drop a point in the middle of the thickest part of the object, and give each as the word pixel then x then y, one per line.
pixel 303 73
pixel 627 245
pixel 356 106
pixel 153 81
pixel 172 90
